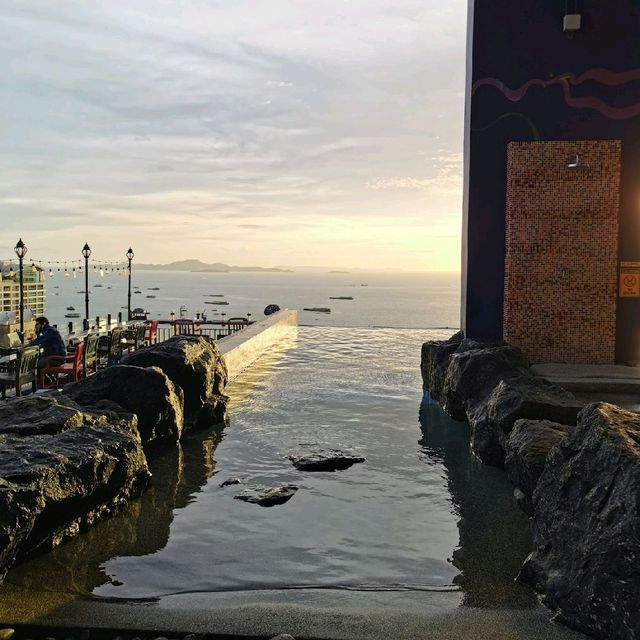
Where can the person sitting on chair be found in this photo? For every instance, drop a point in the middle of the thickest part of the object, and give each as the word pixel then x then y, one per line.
pixel 49 339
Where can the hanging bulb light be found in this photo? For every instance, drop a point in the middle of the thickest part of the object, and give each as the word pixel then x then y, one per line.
pixel 74 272
pixel 34 269
pixel 101 272
pixel 50 272
pixel 66 271
pixel 11 271
pixel 80 269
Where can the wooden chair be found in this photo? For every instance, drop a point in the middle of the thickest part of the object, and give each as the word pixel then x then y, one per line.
pixel 90 355
pixel 236 324
pixel 102 351
pixel 21 371
pixel 115 346
pixel 184 327
pixel 68 367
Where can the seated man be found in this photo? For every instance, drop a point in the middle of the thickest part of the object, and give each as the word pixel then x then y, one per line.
pixel 49 339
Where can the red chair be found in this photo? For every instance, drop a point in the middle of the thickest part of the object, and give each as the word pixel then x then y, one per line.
pixel 68 367
pixel 151 334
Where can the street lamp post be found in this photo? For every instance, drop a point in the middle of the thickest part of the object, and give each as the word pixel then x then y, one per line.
pixel 130 255
pixel 86 252
pixel 21 252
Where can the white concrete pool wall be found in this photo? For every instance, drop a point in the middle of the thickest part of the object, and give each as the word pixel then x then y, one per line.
pixel 242 348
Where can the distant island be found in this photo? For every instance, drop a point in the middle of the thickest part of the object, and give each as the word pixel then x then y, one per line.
pixel 203 267
pixel 337 271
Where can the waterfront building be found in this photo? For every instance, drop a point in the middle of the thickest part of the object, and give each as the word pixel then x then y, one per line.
pixel 33 289
pixel 551 222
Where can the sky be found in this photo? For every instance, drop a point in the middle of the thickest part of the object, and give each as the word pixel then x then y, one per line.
pixel 250 132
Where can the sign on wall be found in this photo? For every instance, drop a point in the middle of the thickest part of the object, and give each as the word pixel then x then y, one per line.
pixel 629 280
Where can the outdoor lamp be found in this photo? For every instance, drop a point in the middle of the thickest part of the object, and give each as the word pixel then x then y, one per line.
pixel 86 251
pixel 20 249
pixel 130 254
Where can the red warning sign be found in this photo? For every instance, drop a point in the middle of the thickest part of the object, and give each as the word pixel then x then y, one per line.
pixel 629 283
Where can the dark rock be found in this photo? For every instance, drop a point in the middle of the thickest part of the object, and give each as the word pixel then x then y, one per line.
pixel 474 370
pixel 325 460
pixel 518 395
pixel 53 486
pixel 41 414
pixel 270 309
pixel 148 393
pixel 213 412
pixel 194 364
pixel 231 481
pixel 527 448
pixel 267 496
pixel 434 362
pixel 586 558
pixel 7 633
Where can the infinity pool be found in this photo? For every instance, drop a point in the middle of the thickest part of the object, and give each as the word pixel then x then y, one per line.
pixel 420 516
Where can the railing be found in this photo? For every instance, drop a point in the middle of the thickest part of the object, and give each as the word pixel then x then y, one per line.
pixel 214 329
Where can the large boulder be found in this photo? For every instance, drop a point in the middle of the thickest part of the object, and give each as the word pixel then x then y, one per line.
pixel 517 395
pixel 56 479
pixel 194 364
pixel 146 392
pixel 434 361
pixel 527 448
pixel 474 370
pixel 586 558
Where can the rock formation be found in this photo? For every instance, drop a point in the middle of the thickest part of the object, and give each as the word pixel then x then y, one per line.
pixel 61 474
pixel 194 364
pixel 147 393
pixel 586 558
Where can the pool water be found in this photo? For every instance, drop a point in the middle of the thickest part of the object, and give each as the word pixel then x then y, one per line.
pixel 420 515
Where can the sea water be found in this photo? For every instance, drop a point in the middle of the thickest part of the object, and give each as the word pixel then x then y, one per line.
pixel 379 299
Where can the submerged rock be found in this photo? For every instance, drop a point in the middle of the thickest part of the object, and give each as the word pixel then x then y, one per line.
pixel 230 481
pixel 146 392
pixel 325 460
pixel 527 449
pixel 586 558
pixel 194 364
pixel 267 496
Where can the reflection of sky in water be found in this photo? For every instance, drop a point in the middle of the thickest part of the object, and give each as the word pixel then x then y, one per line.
pixel 392 521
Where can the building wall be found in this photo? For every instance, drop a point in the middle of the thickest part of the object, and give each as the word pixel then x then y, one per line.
pixel 33 290
pixel 529 81
pixel 562 250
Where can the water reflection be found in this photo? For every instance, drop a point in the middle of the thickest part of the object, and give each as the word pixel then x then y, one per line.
pixel 494 535
pixel 141 529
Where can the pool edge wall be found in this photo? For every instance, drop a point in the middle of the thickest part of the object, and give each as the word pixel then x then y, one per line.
pixel 244 347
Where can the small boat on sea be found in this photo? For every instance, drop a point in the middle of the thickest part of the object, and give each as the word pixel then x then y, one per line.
pixel 71 315
pixel 213 295
pixel 215 302
pixel 71 308
pixel 153 288
pixel 340 297
pixel 97 285
pixel 149 296
pixel 318 309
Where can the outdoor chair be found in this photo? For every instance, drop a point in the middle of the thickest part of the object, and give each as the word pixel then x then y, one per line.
pixel 151 333
pixel 116 337
pixel 102 351
pixel 59 369
pixel 184 327
pixel 21 371
pixel 90 355
pixel 236 324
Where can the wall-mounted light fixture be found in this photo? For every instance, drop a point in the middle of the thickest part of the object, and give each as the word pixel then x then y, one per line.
pixel 573 161
pixel 572 21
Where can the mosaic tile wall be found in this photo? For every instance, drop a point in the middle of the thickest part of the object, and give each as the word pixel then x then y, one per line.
pixel 562 250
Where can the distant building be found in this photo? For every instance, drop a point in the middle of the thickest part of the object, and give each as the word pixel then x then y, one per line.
pixel 551 223
pixel 33 289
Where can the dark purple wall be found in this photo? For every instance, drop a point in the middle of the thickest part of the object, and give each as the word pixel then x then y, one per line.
pixel 530 81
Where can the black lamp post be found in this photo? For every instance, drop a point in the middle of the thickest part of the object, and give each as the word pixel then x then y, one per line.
pixel 129 258
pixel 21 252
pixel 86 252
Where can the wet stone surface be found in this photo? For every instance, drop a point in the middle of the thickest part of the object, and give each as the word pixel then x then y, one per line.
pixel 267 496
pixel 325 460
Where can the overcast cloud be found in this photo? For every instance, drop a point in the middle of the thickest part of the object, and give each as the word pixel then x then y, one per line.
pixel 250 132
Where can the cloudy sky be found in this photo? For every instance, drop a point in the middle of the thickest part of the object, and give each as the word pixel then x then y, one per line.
pixel 270 132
